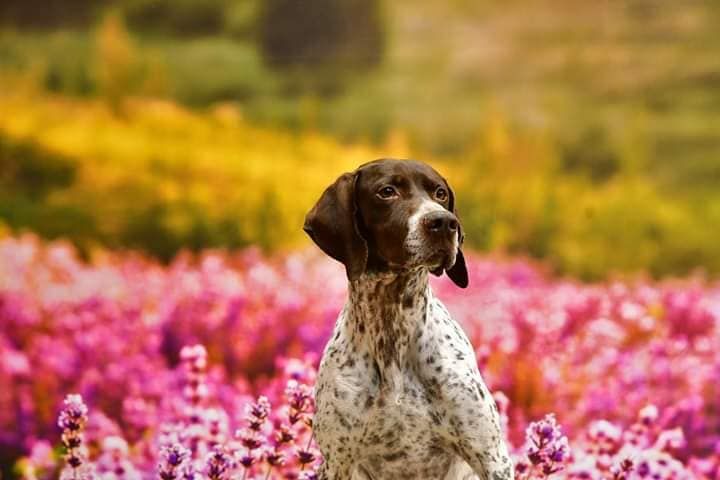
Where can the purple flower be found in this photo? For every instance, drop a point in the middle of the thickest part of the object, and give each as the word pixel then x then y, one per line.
pixel 300 399
pixel 648 415
pixel 596 353
pixel 274 457
pixel 547 448
pixel 306 456
pixel 260 409
pixel 250 439
pixel 73 416
pixel 284 434
pixel 189 472
pixel 218 464
pixel 257 413
pixel 172 458
pixel 247 460
pixel 72 420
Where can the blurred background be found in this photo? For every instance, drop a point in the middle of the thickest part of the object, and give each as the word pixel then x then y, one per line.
pixel 584 134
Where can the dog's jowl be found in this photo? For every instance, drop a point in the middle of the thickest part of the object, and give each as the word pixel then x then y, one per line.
pixel 399 394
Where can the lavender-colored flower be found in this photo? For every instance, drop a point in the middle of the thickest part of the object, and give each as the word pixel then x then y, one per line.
pixel 643 469
pixel 256 413
pixel 73 416
pixel 669 440
pixel 260 409
pixel 648 415
pixel 300 400
pixel 112 326
pixel 72 420
pixel 114 461
pixel 194 357
pixel 189 472
pixel 216 422
pixel 306 456
pixel 547 448
pixel 284 434
pixel 274 457
pixel 172 458
pixel 623 470
pixel 250 439
pixel 194 360
pixel 218 464
pixel 247 460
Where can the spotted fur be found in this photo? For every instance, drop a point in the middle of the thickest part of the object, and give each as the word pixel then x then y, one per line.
pixel 399 394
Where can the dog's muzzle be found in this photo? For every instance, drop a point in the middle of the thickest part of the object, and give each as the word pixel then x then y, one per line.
pixel 440 228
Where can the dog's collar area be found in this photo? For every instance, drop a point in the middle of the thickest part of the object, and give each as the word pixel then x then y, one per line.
pixel 393 274
pixel 384 313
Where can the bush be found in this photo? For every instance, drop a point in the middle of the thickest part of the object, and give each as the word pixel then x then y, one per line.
pixel 29 176
pixel 322 33
pixel 117 67
pixel 176 17
pixel 30 170
pixel 591 154
pixel 160 178
pixel 49 13
pixel 585 206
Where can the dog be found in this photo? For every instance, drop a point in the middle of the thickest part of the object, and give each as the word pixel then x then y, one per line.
pixel 398 392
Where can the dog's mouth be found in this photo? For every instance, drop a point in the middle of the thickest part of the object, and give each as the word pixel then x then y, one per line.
pixel 441 258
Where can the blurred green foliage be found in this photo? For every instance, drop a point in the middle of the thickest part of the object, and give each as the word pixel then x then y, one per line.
pixel 587 135
pixel 31 171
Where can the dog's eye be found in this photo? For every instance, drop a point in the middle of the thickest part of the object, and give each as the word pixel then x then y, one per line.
pixel 441 194
pixel 387 192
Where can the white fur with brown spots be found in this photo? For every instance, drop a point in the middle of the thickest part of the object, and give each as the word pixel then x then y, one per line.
pixel 399 394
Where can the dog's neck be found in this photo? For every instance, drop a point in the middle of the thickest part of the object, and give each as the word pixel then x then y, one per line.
pixel 384 313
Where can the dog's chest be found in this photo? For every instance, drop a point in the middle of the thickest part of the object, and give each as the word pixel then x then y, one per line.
pixel 390 427
pixel 389 418
pixel 400 439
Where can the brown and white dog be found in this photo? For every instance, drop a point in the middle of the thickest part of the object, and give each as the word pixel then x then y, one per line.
pixel 399 394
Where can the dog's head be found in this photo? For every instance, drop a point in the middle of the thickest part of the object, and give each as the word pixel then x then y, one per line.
pixel 390 215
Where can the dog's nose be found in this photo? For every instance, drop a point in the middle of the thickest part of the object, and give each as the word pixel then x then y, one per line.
pixel 440 223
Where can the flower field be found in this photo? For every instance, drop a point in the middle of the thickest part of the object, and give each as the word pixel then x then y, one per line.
pixel 123 368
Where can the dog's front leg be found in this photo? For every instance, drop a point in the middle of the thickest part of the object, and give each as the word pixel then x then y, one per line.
pixel 463 408
pixel 474 431
pixel 329 471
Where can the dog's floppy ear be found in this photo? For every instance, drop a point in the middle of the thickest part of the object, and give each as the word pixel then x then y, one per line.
pixel 332 225
pixel 458 272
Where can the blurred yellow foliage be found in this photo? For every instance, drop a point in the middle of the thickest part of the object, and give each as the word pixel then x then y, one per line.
pixel 161 178
pixel 194 170
pixel 116 64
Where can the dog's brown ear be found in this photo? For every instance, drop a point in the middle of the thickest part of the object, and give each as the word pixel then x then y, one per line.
pixel 458 272
pixel 332 225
